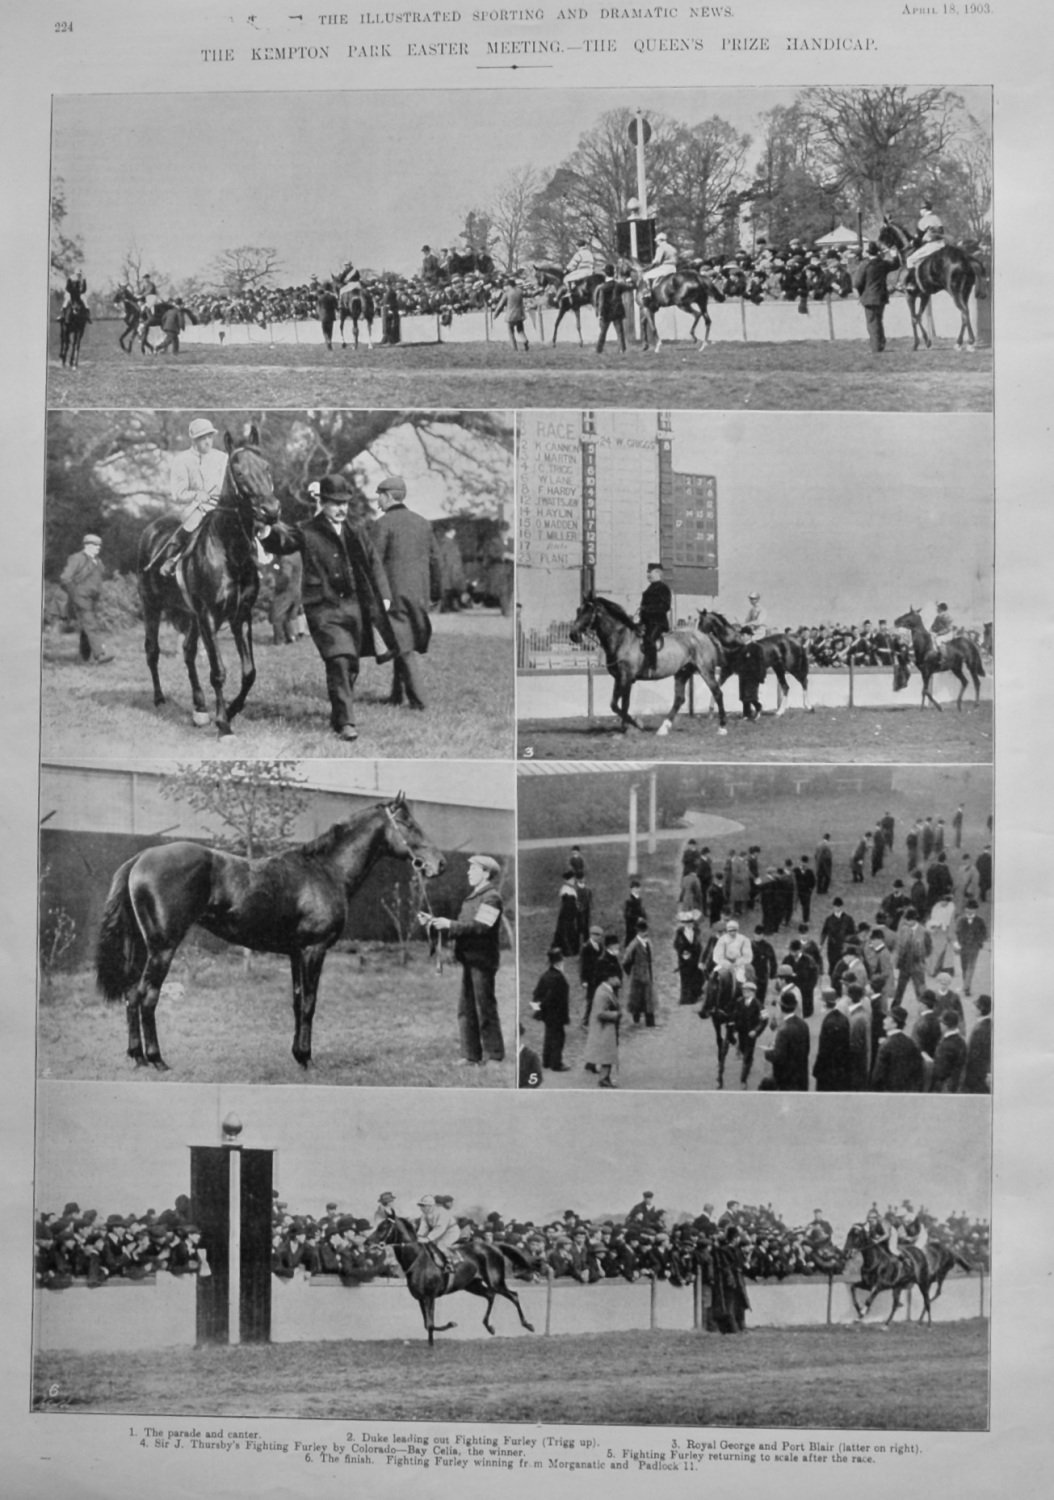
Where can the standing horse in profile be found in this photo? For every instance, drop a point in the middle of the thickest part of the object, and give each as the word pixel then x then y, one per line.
pixel 294 903
pixel 882 1271
pixel 73 320
pixel 690 291
pixel 948 269
pixel 478 1268
pixel 681 654
pixel 958 656
pixel 752 660
pixel 567 299
pixel 215 583
pixel 357 306
pixel 139 319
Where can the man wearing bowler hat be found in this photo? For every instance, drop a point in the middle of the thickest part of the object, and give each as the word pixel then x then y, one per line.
pixel 477 947
pixel 82 579
pixel 409 555
pixel 345 592
pixel 654 613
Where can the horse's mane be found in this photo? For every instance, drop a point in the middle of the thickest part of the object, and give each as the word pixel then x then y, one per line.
pixel 615 610
pixel 328 842
pixel 713 614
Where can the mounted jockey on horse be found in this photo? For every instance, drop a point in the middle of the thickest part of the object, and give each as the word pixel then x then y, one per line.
pixel 930 264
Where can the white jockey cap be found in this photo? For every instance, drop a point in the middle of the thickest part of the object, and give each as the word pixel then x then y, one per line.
pixel 426 1202
pixel 754 595
pixel 199 427
pixel 661 235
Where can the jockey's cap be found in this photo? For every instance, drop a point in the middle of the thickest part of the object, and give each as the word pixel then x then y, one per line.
pixel 748 984
pixel 754 595
pixel 427 1201
pixel 731 926
pixel 386 1198
pixel 314 489
pixel 199 427
pixel 485 862
pixel 662 235
pixel 91 540
pixel 334 487
pixel 394 487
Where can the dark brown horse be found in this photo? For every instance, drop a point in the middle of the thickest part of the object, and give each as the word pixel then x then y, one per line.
pixel 567 299
pixel 294 903
pixel 73 320
pixel 882 1271
pixel 682 653
pixel 690 291
pixel 478 1268
pixel 958 656
pixel 357 306
pixel 948 269
pixel 215 583
pixel 753 659
pixel 722 993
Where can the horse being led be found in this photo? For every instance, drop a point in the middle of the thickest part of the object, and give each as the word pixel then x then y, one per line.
pixel 948 269
pixel 722 994
pixel 73 320
pixel 689 291
pixel 566 299
pixel 294 903
pixel 477 1267
pixel 681 653
pixel 882 1271
pixel 752 660
pixel 215 583
pixel 958 656
pixel 356 306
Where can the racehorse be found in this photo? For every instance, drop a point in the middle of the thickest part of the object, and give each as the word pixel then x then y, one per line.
pixel 570 299
pixel 294 903
pixel 356 304
pixel 722 993
pixel 690 291
pixel 753 659
pixel 958 656
pixel 215 583
pixel 73 320
pixel 882 1271
pixel 478 1268
pixel 948 269
pixel 942 1259
pixel 681 653
pixel 139 319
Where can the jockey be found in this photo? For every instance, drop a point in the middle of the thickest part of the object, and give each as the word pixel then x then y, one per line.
pixel 349 273
pixel 733 951
pixel 756 621
pixel 437 1228
pixel 929 236
pixel 580 267
pixel 942 627
pixel 876 1228
pixel 654 613
pixel 197 479
pixel 148 294
pixel 76 286
pixel 665 261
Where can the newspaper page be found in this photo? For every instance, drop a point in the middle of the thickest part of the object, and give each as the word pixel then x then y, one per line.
pixel 513 515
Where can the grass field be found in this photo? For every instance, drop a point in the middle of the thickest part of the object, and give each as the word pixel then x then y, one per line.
pixel 679 1052
pixel 377 1023
pixel 905 1378
pixel 830 735
pixel 810 375
pixel 107 710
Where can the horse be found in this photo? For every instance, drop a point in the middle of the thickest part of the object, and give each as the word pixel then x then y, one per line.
pixel 356 304
pixel 688 290
pixel 722 993
pixel 958 656
pixel 567 299
pixel 882 1271
pixel 294 903
pixel 73 320
pixel 478 1268
pixel 942 1259
pixel 949 269
pixel 681 653
pixel 139 319
pixel 753 659
pixel 215 583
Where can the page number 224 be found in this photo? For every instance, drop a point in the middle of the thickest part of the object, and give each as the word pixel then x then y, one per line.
pixel 63 27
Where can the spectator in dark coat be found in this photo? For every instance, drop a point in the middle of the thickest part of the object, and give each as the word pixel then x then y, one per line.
pixel 82 580
pixel 530 1066
pixel 610 308
pixel 836 930
pixel 407 548
pixel 824 860
pixel 977 1074
pixel 859 1039
pixel 551 1004
pixel 949 1062
pixel 870 284
pixel 898 1067
pixel 832 1068
pixel 789 1053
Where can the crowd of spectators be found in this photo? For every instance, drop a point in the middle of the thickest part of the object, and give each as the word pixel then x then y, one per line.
pixel 81 1244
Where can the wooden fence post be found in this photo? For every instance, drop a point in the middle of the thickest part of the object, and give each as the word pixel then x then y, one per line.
pixel 548 1304
pixel 653 1296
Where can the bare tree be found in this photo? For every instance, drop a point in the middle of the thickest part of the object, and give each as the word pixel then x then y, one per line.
pixel 510 214
pixel 243 269
pixel 67 250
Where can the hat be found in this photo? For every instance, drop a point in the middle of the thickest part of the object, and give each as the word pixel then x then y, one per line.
pixel 748 984
pixel 334 487
pixel 386 1198
pixel 788 1001
pixel 91 540
pixel 899 1015
pixel 555 953
pixel 648 1194
pixel 983 1005
pixel 485 863
pixel 785 971
pixel 426 1202
pixel 394 485
pixel 199 427
pixel 655 567
pixel 754 595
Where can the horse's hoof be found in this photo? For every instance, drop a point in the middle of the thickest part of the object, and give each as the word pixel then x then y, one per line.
pixel 529 1327
pixel 224 731
pixel 138 1059
pixel 159 1063
pixel 663 730
pixel 722 731
pixel 200 720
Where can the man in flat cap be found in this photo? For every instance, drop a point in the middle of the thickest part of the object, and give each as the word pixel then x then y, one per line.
pixel 409 555
pixel 82 580
pixel 345 593
pixel 197 481
pixel 477 948
pixel 654 613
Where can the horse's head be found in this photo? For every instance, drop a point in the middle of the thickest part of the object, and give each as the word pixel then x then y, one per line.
pixel 584 620
pixel 855 1240
pixel 718 628
pixel 406 839
pixel 248 479
pixel 894 236
pixel 909 620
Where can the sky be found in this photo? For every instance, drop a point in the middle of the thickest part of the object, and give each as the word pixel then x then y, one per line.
pixel 529 1155
pixel 326 177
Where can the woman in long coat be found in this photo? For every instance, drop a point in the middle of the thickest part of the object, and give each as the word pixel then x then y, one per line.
pixel 568 924
pixel 601 1054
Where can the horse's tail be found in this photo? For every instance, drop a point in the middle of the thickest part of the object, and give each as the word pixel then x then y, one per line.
pixel 120 951
pixel 980 271
pixel 520 1264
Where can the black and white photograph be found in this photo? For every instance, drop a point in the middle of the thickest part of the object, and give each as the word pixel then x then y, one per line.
pixel 761 928
pixel 276 921
pixel 751 587
pixel 261 1253
pixel 774 247
pixel 298 583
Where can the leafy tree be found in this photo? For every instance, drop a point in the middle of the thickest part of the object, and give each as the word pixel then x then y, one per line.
pixel 478 233
pixel 789 193
pixel 707 172
pixel 67 250
pixel 256 802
